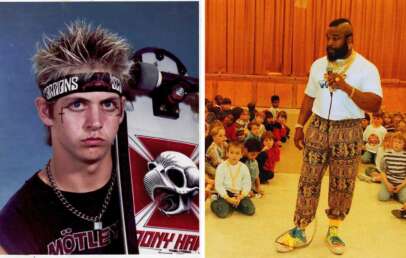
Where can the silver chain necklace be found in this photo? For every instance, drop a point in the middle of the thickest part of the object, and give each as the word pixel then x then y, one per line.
pixel 97 223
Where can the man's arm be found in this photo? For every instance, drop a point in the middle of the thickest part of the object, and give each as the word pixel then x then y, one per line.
pixel 367 101
pixel 304 115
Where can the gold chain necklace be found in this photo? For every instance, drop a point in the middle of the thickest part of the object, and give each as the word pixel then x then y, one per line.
pixel 97 220
pixel 342 67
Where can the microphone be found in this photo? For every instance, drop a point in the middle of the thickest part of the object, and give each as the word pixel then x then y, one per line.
pixel 329 71
pixel 148 78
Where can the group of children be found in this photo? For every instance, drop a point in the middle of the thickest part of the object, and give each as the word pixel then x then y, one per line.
pixel 385 148
pixel 242 149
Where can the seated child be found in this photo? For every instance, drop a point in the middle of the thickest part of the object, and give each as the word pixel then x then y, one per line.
pixel 209 186
pixel 269 122
pixel 259 119
pixel 267 158
pixel 230 126
pixel 233 184
pixel 251 110
pixel 396 118
pixel 387 122
pixel 252 147
pixel 254 131
pixel 394 168
pixel 242 125
pixel 281 130
pixel 373 137
pixel 215 154
pixel 365 121
pixel 373 174
pixel 274 109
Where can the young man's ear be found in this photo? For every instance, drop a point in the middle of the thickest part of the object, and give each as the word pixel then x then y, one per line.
pixel 44 112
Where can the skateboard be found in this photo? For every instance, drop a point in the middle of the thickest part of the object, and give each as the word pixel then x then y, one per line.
pixel 158 149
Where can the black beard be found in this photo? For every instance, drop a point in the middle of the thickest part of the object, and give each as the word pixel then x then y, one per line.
pixel 339 53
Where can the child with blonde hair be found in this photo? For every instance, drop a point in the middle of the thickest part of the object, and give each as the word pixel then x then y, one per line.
pixel 394 168
pixel 216 152
pixel 233 184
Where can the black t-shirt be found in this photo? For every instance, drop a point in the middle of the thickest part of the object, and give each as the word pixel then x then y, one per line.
pixel 34 221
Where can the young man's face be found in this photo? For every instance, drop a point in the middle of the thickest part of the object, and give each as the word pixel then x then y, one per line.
pixel 84 125
pixel 234 154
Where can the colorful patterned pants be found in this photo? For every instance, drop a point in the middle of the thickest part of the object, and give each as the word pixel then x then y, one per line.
pixel 333 144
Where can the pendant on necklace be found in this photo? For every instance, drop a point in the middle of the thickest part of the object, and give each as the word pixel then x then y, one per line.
pixel 98 225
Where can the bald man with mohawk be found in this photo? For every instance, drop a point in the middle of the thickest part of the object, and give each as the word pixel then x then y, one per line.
pixel 341 87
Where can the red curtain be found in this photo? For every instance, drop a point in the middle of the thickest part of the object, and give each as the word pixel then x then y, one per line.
pixel 265 37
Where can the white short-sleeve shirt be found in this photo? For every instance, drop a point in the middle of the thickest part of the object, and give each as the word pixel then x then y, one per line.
pixel 362 74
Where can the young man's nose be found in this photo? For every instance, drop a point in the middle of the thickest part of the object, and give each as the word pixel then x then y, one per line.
pixel 94 118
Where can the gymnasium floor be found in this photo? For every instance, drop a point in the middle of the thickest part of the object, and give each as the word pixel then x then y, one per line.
pixel 369 231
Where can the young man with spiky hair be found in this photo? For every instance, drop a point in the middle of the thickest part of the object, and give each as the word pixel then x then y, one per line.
pixel 71 205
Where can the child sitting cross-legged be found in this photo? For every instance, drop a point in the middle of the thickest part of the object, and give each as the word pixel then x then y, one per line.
pixel 252 148
pixel 394 168
pixel 267 158
pixel 373 173
pixel 233 184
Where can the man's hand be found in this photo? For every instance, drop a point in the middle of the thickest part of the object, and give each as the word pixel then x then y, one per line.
pixel 335 80
pixel 299 138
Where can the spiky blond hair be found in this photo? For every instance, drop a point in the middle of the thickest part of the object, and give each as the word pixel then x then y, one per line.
pixel 80 47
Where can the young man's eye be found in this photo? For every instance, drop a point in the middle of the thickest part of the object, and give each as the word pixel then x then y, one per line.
pixel 76 106
pixel 109 105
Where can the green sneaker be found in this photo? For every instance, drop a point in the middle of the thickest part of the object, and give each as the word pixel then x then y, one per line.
pixel 334 242
pixel 290 240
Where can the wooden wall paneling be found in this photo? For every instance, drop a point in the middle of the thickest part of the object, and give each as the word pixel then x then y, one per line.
pixel 299 40
pixel 401 51
pixel 300 87
pixel 387 49
pixel 261 24
pixel 239 91
pixel 216 36
pixel 287 60
pixel 209 89
pixel 269 37
pixel 264 92
pixel 285 92
pixel 244 37
pixel 231 31
pixel 394 98
pixel 240 55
